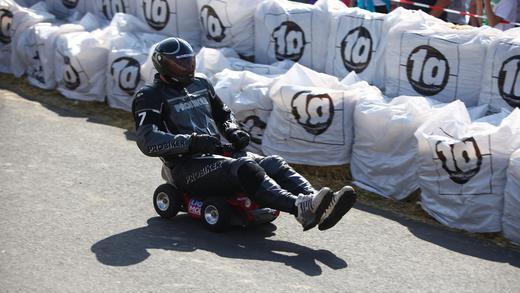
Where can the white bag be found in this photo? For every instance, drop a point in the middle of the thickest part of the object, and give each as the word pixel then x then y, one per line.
pixel 124 74
pixel 355 45
pixel 108 8
pixel 38 48
pixel 81 63
pixel 23 18
pixel 212 61
pixel 311 122
pixel 384 149
pixel 511 218
pixel 462 167
pixel 247 94
pixel 436 61
pixel 174 18
pixel 7 9
pixel 124 77
pixel 65 8
pixel 228 23
pixel 148 71
pixel 501 77
pixel 31 52
pixel 289 30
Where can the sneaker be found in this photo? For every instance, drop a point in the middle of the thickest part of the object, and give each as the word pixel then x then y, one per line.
pixel 311 207
pixel 341 203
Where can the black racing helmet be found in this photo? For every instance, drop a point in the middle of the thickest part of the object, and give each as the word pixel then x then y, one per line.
pixel 174 59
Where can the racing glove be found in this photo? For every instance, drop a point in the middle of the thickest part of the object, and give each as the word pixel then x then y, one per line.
pixel 239 139
pixel 203 144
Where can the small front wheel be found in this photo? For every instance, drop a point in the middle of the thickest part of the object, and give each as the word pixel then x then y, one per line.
pixel 216 215
pixel 167 201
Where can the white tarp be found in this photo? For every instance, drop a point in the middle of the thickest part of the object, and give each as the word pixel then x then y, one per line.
pixel 355 44
pixel 436 61
pixel 108 8
pixel 66 8
pixel 24 18
pixel 174 18
pixel 462 167
pixel 81 63
pixel 7 9
pixel 247 94
pixel 501 77
pixel 511 218
pixel 311 122
pixel 384 149
pixel 286 30
pixel 37 48
pixel 228 23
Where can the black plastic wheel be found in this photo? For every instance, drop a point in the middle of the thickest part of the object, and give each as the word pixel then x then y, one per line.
pixel 167 201
pixel 216 215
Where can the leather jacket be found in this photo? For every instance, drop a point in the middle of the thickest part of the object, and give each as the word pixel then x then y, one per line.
pixel 168 114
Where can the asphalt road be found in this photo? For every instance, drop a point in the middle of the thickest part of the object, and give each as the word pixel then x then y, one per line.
pixel 76 216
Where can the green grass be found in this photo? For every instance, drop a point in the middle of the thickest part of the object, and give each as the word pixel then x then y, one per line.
pixel 332 176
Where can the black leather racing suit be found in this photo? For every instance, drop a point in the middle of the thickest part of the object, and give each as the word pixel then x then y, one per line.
pixel 166 116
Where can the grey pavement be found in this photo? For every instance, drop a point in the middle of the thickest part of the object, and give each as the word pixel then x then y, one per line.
pixel 76 215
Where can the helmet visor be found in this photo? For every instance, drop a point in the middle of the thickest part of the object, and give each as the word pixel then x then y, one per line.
pixel 180 67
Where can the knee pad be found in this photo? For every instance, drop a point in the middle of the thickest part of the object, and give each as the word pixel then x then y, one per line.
pixel 249 174
pixel 274 165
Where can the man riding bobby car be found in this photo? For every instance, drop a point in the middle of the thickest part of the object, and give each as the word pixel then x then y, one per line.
pixel 180 119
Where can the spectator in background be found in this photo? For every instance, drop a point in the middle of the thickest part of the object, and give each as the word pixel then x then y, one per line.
pixel 476 7
pixel 381 6
pixel 505 10
pixel 437 13
pixel 440 13
pixel 457 5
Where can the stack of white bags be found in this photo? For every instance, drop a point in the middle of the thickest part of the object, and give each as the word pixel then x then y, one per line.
pixel 392 95
pixel 37 46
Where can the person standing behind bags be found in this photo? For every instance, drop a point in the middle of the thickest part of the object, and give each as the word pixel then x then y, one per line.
pixel 508 10
pixel 381 6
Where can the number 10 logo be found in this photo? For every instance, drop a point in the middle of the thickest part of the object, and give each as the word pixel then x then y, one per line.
pixel 211 24
pixel 156 13
pixel 111 7
pixel 6 20
pixel 126 72
pixel 509 81
pixel 289 41
pixel 356 49
pixel 427 70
